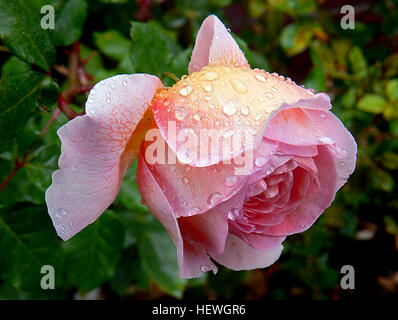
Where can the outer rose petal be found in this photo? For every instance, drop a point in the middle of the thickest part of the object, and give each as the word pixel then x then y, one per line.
pixel 215 46
pixel 309 123
pixel 238 255
pixel 191 258
pixel 97 149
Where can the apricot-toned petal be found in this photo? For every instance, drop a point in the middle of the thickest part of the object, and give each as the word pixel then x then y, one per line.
pixel 224 107
pixel 192 260
pixel 238 255
pixel 97 149
pixel 215 46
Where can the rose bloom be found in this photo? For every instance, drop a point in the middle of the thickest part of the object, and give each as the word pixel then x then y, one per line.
pixel 296 157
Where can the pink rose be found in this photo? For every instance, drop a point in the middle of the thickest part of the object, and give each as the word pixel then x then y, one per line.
pixel 280 159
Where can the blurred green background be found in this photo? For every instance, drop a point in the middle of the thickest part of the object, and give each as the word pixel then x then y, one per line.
pixel 127 254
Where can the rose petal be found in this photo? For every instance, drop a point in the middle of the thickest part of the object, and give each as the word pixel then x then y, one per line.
pixel 215 46
pixel 192 190
pixel 238 255
pixel 97 149
pixel 225 107
pixel 208 230
pixel 191 258
pixel 316 201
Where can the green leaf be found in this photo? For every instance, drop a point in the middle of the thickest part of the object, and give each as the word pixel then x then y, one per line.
pixel 392 89
pixel 159 258
pixel 112 44
pixel 316 79
pixel 49 93
pixel 93 254
pixel 21 32
pixel 150 49
pixel 358 62
pixel 372 103
pixel 14 65
pixel 348 99
pixel 28 242
pixel 69 22
pixel 294 7
pixel 295 39
pixel 18 102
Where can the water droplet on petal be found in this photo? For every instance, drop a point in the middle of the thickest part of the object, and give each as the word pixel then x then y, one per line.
pixel 185 180
pixel 180 113
pixel 326 140
pixel 208 87
pixel 260 77
pixel 186 90
pixel 206 268
pixel 245 110
pixel 260 161
pixel 233 214
pixel 193 211
pixel 239 86
pixel 229 108
pixel 197 116
pixel 231 181
pixel 209 76
pixel 213 198
pixel 124 83
pixel 268 172
pixel 187 168
pixel 60 213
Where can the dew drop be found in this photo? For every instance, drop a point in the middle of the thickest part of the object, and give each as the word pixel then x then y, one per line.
pixel 260 161
pixel 209 76
pixel 245 110
pixel 213 198
pixel 231 181
pixel 197 116
pixel 260 77
pixel 208 87
pixel 268 172
pixel 124 83
pixel 326 140
pixel 229 108
pixel 239 86
pixel 60 213
pixel 233 214
pixel 186 90
pixel 180 113
pixel 206 268
pixel 193 211
pixel 187 168
pixel 185 180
